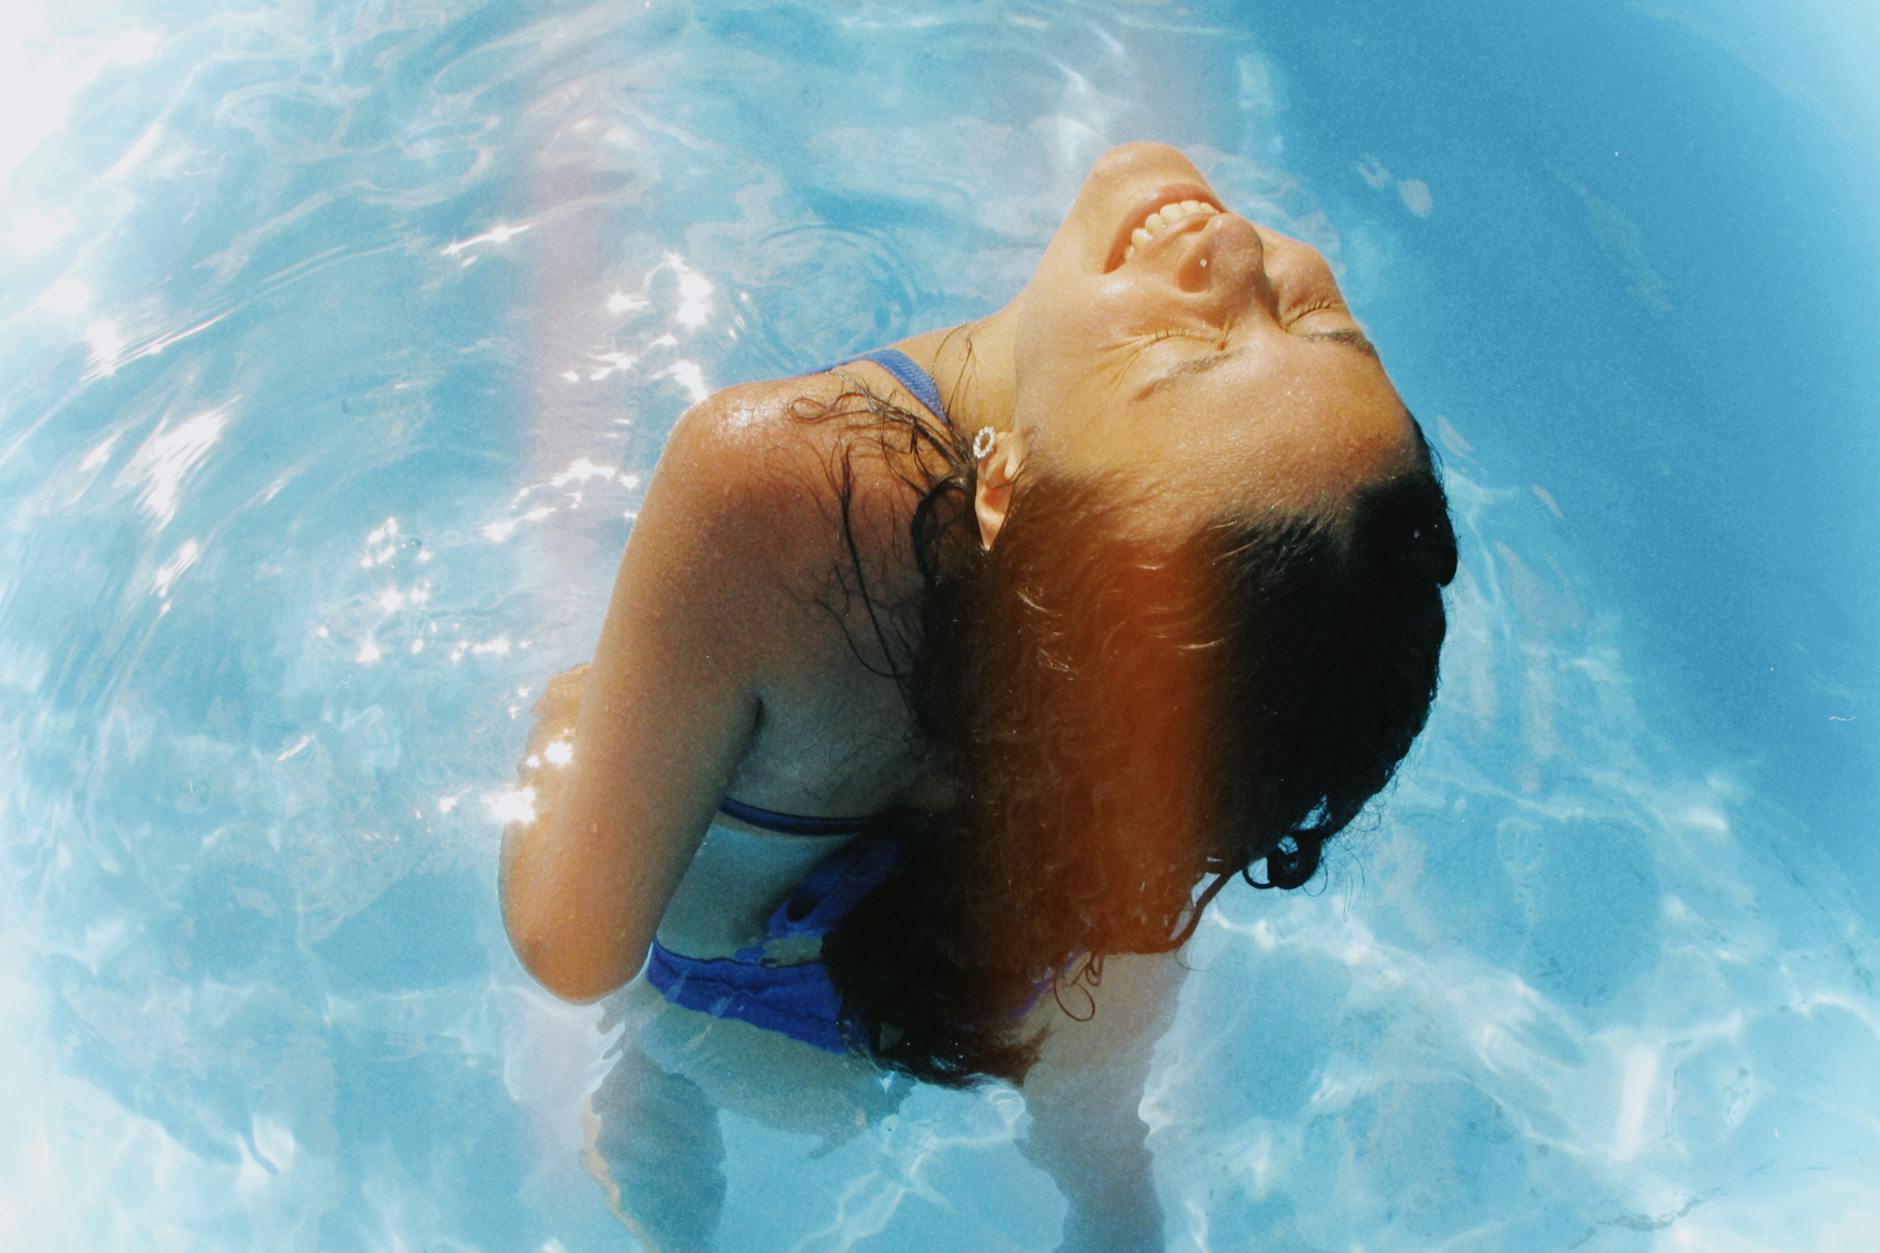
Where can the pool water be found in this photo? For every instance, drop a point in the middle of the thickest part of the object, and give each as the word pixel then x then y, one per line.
pixel 337 343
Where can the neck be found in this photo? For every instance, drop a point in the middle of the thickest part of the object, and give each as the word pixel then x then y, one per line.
pixel 973 364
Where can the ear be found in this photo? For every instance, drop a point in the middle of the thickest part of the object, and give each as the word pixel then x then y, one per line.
pixel 992 495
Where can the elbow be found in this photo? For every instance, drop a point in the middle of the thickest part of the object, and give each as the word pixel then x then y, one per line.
pixel 572 964
pixel 572 988
pixel 573 982
pixel 575 942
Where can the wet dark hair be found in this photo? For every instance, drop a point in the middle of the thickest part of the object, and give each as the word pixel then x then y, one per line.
pixel 1121 720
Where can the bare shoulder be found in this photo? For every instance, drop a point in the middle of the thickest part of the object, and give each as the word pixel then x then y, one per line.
pixel 757 442
pixel 771 415
pixel 739 440
pixel 762 468
pixel 761 502
pixel 738 474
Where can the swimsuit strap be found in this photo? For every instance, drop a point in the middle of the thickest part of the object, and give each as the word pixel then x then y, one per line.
pixel 789 824
pixel 910 375
pixel 798 1000
pixel 834 885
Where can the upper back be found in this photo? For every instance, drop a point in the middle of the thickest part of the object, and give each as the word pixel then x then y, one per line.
pixel 729 663
pixel 811 558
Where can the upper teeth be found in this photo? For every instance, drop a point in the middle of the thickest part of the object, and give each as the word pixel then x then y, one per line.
pixel 1169 214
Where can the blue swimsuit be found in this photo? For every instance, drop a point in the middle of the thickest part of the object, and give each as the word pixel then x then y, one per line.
pixel 795 1000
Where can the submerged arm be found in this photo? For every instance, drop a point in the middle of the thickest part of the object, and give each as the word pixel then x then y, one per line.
pixel 1084 1096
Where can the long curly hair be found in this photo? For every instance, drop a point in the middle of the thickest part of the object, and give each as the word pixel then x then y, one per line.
pixel 1122 721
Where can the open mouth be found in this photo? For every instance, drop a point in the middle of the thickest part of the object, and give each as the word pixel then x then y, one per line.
pixel 1169 208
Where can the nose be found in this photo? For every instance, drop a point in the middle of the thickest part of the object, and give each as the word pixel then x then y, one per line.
pixel 1292 265
pixel 1226 268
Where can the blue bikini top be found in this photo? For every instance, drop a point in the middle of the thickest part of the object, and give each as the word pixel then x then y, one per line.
pixel 908 373
pixel 788 824
pixel 921 386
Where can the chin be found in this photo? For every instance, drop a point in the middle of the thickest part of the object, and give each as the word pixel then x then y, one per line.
pixel 1145 158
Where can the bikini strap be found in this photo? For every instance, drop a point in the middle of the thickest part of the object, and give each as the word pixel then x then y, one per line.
pixel 788 824
pixel 835 884
pixel 908 373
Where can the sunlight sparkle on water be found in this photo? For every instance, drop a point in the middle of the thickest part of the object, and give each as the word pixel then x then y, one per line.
pixel 611 363
pixel 695 292
pixel 168 572
pixel 689 376
pixel 167 457
pixel 106 342
pixel 499 234
pixel 97 456
pixel 582 469
pixel 69 296
pixel 515 804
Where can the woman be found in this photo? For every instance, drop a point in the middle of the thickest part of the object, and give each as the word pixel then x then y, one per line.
pixel 911 711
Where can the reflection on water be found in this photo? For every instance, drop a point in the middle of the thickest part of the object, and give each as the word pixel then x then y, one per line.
pixel 337 351
pixel 1597 972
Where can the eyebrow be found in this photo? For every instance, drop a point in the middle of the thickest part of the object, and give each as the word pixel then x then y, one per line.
pixel 1352 339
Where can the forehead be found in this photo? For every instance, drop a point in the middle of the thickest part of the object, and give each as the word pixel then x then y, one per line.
pixel 1292 423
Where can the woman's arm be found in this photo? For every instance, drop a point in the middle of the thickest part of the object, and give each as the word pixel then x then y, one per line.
pixel 1084 1094
pixel 660 719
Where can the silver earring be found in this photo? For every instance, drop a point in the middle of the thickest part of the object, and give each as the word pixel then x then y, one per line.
pixel 982 443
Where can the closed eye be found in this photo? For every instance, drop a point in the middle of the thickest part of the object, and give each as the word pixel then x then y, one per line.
pixel 1323 306
pixel 1349 337
pixel 1215 340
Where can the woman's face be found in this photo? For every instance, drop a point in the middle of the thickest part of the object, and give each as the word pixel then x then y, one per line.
pixel 1213 360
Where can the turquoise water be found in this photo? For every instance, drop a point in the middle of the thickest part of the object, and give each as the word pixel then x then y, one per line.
pixel 336 343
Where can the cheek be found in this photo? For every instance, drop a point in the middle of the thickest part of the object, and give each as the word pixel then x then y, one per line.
pixel 1049 327
pixel 1085 311
pixel 1060 345
pixel 1075 336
